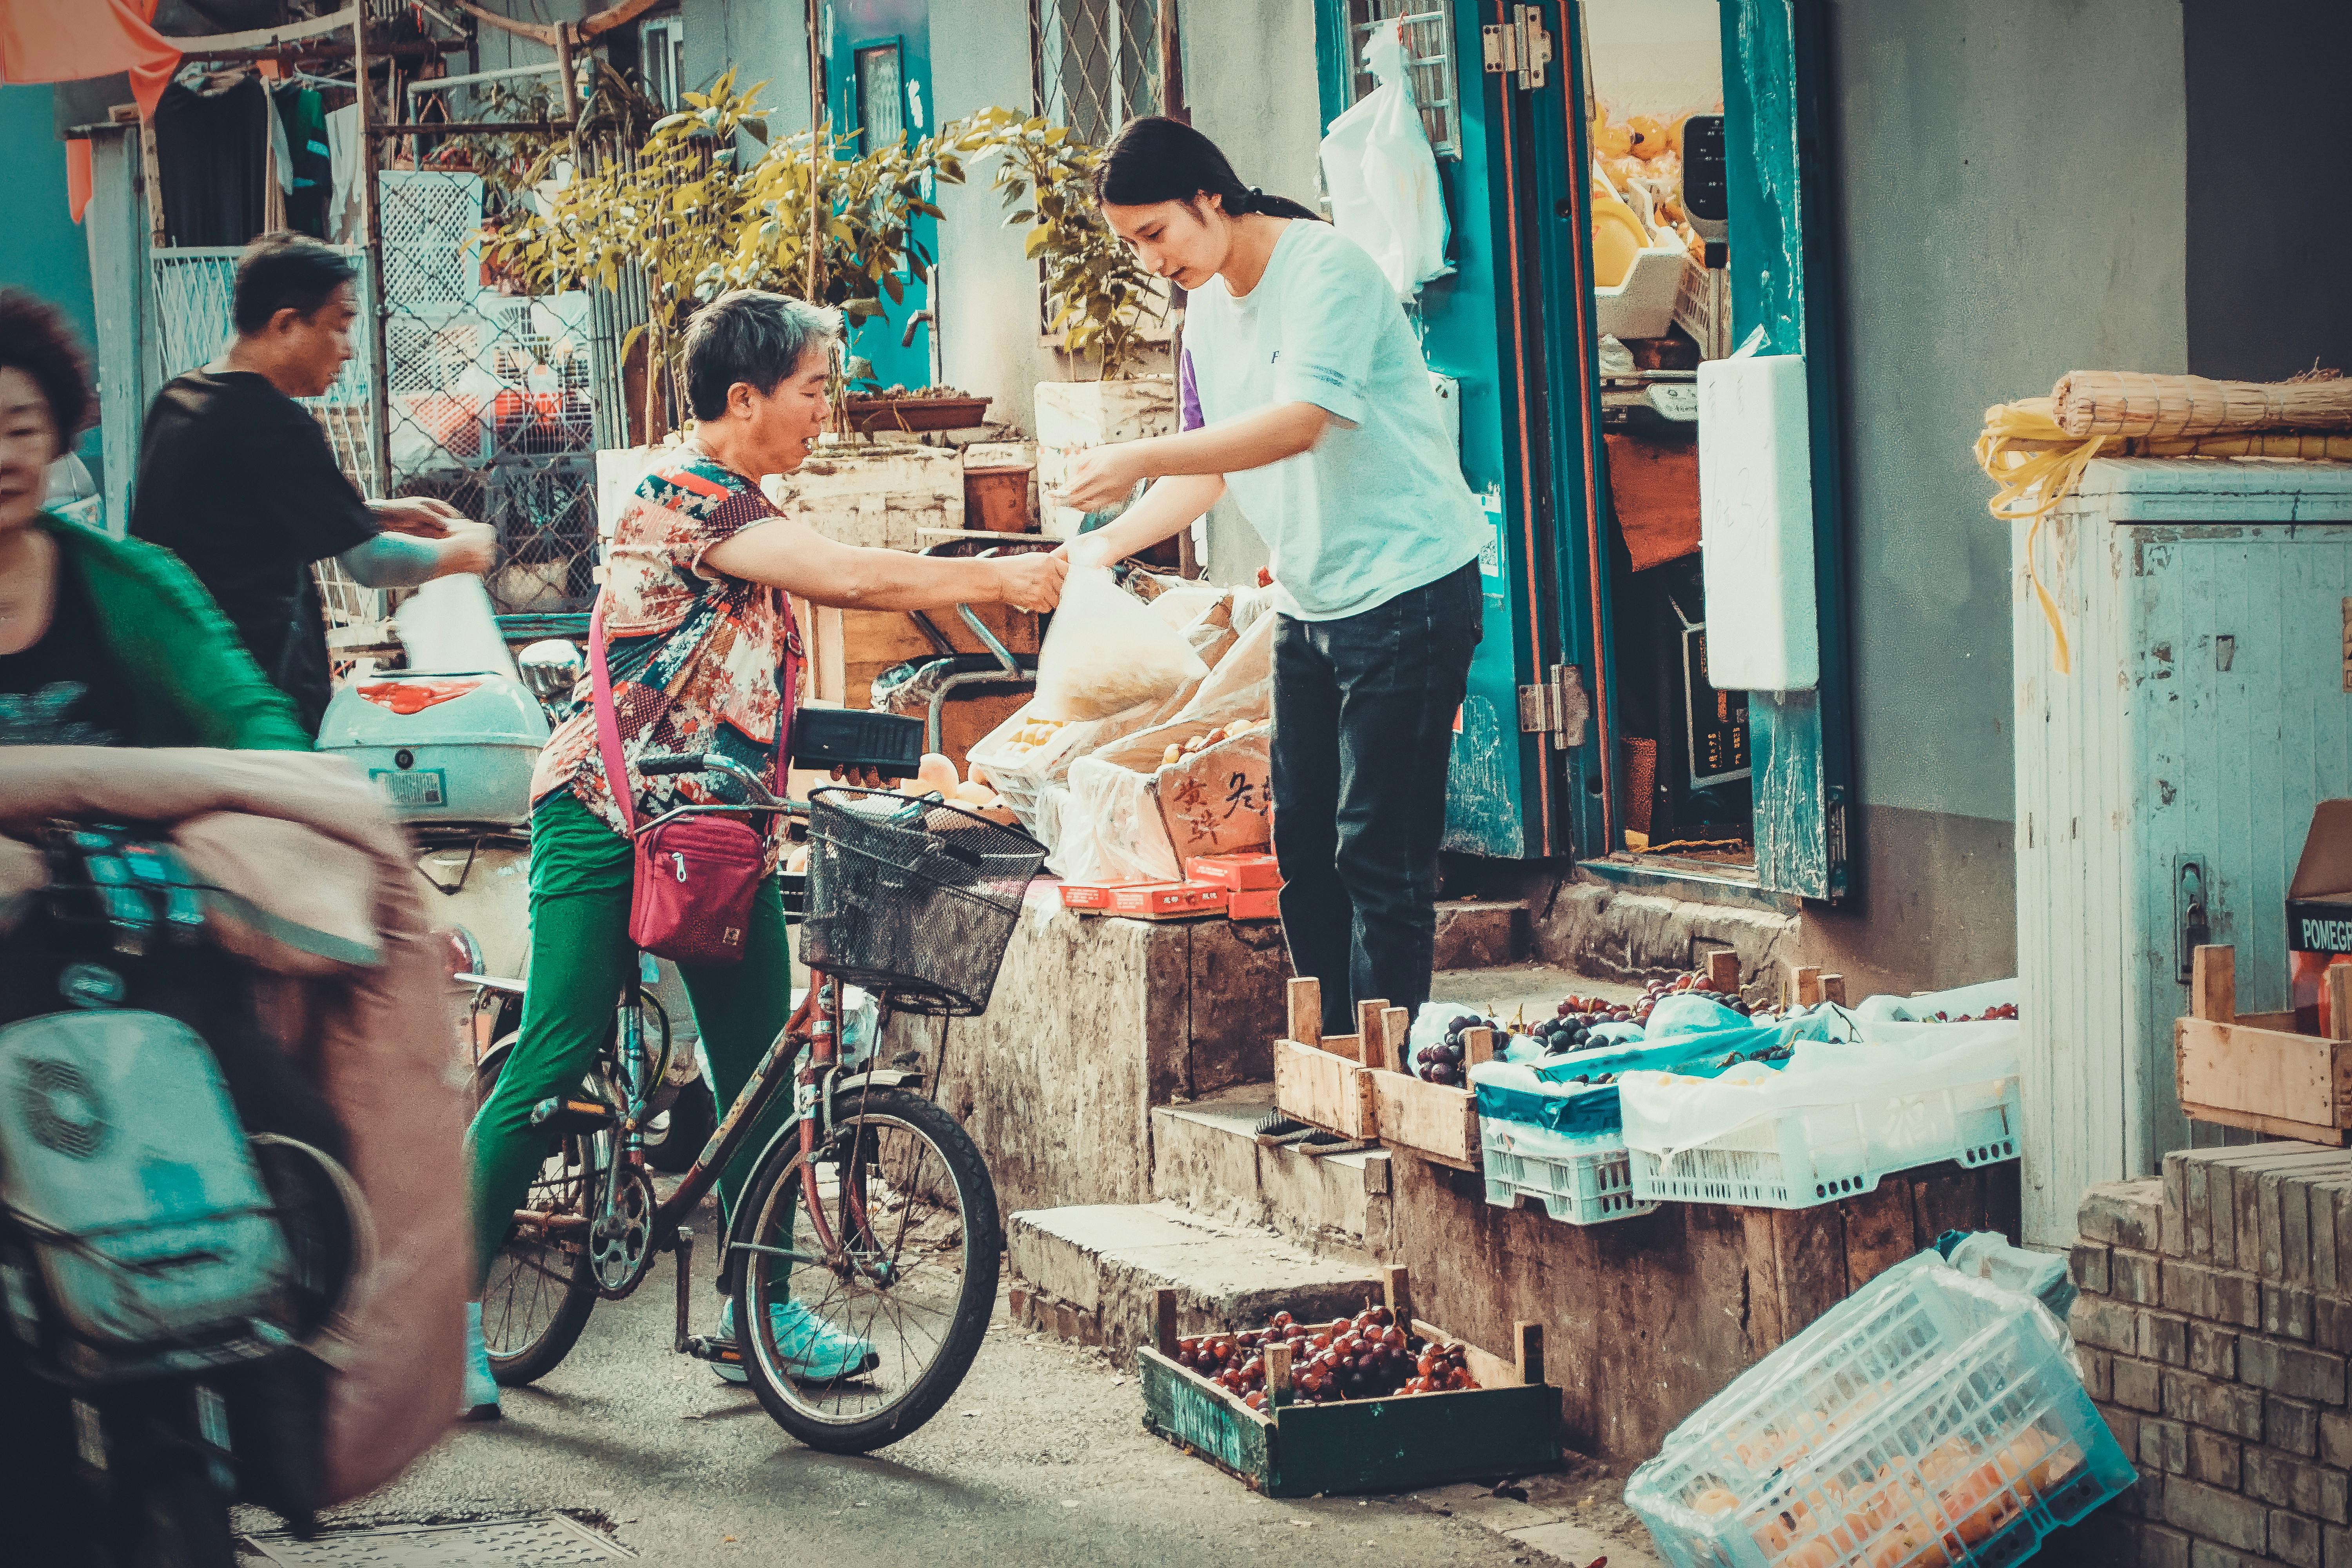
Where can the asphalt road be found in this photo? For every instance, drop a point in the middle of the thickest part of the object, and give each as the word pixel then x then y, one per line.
pixel 1040 1459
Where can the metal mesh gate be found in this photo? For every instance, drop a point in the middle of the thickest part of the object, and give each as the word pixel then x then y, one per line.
pixel 490 394
pixel 1099 63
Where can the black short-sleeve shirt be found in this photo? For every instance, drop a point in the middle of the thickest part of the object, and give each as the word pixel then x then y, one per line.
pixel 68 688
pixel 237 479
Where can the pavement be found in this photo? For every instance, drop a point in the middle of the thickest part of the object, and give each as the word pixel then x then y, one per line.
pixel 1040 1459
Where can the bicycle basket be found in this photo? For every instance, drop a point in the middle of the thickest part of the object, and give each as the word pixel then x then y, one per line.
pixel 913 899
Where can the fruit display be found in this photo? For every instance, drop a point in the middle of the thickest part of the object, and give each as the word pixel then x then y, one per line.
pixel 1202 742
pixel 1033 734
pixel 1443 1061
pixel 1640 159
pixel 2000 1012
pixel 1368 1356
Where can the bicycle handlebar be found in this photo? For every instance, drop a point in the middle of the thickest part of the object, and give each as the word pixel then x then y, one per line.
pixel 687 764
pixel 760 797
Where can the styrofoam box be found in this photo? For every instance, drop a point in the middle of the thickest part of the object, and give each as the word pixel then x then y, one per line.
pixel 1756 524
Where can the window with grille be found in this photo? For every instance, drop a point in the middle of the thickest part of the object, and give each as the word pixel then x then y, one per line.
pixel 1429 45
pixel 1100 63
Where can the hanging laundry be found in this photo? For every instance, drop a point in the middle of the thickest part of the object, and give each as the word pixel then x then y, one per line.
pixel 61 40
pixel 306 167
pixel 211 148
pixel 343 174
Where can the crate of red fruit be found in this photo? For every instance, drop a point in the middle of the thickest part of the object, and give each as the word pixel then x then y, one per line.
pixel 1381 1402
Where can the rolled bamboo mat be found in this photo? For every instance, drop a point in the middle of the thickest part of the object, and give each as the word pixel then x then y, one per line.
pixel 2137 403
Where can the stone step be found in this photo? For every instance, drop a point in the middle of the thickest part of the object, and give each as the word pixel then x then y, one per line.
pixel 1480 934
pixel 1205 1157
pixel 1089 1273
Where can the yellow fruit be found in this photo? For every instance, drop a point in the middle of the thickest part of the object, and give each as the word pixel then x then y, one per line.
pixel 1610 141
pixel 1650 136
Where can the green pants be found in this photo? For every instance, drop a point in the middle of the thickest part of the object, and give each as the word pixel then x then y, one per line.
pixel 580 955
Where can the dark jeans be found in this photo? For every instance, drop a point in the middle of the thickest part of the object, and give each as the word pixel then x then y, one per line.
pixel 1363 730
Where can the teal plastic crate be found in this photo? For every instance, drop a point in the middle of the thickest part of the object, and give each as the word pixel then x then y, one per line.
pixel 1931 1417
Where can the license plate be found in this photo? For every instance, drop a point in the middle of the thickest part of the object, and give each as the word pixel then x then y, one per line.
pixel 419 786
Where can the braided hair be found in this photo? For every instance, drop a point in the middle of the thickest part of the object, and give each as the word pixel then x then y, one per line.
pixel 1156 159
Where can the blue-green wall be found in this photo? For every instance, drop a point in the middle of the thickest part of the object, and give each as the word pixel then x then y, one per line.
pixel 41 247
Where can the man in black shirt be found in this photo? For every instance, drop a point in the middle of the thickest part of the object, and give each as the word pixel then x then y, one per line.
pixel 237 479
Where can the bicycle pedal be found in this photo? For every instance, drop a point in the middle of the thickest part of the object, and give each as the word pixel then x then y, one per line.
pixel 557 1114
pixel 712 1348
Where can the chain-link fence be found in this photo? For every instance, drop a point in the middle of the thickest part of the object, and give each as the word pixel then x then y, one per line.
pixel 492 396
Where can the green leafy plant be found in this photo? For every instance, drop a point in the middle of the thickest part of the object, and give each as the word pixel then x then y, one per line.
pixel 1095 294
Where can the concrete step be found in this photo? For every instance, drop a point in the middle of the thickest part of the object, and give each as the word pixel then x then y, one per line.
pixel 1089 1273
pixel 1205 1157
pixel 1480 934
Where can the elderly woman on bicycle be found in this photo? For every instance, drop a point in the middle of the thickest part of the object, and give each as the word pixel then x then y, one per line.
pixel 699 644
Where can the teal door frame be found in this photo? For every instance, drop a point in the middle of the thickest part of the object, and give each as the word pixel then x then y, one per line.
pixel 1774 80
pixel 906 25
pixel 1507 796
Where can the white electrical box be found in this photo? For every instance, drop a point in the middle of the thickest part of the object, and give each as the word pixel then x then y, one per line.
pixel 2164 782
pixel 1756 524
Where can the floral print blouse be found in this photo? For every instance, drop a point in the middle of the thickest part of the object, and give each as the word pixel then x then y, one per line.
pixel 699 661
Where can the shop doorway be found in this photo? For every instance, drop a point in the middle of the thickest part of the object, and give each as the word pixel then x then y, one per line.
pixel 878 91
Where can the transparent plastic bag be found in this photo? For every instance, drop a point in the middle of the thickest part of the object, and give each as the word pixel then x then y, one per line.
pixel 1382 175
pixel 1107 652
pixel 1112 830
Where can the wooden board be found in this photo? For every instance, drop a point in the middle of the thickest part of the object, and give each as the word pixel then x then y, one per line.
pixel 1323 1088
pixel 1435 1120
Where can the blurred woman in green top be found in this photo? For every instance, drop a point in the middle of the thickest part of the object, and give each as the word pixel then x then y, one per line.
pixel 103 641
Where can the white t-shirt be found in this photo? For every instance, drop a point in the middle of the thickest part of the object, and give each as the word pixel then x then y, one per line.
pixel 1379 506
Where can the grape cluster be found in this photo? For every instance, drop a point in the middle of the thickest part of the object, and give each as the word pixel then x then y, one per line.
pixel 1368 1356
pixel 1998 1012
pixel 1442 1061
pixel 1691 985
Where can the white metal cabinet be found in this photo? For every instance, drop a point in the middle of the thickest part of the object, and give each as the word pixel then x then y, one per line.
pixel 2208 602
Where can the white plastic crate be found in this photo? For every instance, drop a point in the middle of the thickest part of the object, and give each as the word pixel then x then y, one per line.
pixel 1022 776
pixel 1575 1184
pixel 1930 1418
pixel 1815 1154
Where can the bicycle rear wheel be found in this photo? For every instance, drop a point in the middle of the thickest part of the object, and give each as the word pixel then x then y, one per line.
pixel 543 1284
pixel 913 1271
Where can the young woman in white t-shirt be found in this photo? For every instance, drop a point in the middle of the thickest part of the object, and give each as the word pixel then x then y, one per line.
pixel 1306 400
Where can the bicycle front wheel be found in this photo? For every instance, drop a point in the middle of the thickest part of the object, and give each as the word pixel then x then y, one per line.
pixel 854 1346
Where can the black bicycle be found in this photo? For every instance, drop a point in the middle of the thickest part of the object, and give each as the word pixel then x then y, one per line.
pixel 870 1220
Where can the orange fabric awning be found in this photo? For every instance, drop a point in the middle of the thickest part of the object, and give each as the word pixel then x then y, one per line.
pixel 72 40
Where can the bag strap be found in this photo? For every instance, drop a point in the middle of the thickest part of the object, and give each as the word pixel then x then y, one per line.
pixel 608 727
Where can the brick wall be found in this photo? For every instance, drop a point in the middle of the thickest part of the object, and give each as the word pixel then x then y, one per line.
pixel 2214 1321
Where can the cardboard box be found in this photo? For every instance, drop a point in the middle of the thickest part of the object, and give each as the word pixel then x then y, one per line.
pixel 1242 873
pixel 1168 900
pixel 1255 904
pixel 1085 895
pixel 2319 912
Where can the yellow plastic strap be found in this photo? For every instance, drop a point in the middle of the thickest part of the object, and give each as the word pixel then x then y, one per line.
pixel 2037 465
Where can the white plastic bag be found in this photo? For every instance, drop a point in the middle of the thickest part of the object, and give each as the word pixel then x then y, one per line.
pixel 1107 652
pixel 1383 176
pixel 1112 830
pixel 1987 1255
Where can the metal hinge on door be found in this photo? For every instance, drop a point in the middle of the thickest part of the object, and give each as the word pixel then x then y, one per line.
pixel 1520 45
pixel 1556 706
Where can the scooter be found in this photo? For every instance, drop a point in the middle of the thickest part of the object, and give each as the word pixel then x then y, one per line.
pixel 452 752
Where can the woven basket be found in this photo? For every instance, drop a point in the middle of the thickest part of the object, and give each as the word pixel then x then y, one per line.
pixel 2136 403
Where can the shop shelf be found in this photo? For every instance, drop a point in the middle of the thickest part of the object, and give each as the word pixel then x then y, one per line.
pixel 1804 1156
pixel 1929 1418
pixel 1508 1424
pixel 1574 1185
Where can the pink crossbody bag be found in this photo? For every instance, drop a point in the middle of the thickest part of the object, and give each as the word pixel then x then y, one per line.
pixel 693 877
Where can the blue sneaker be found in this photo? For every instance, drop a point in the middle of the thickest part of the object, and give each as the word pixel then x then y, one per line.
pixel 480 1400
pixel 813 1349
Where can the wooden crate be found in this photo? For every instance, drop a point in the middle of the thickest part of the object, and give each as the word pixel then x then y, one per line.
pixel 1323 1082
pixel 1507 1425
pixel 2252 1069
pixel 1436 1120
